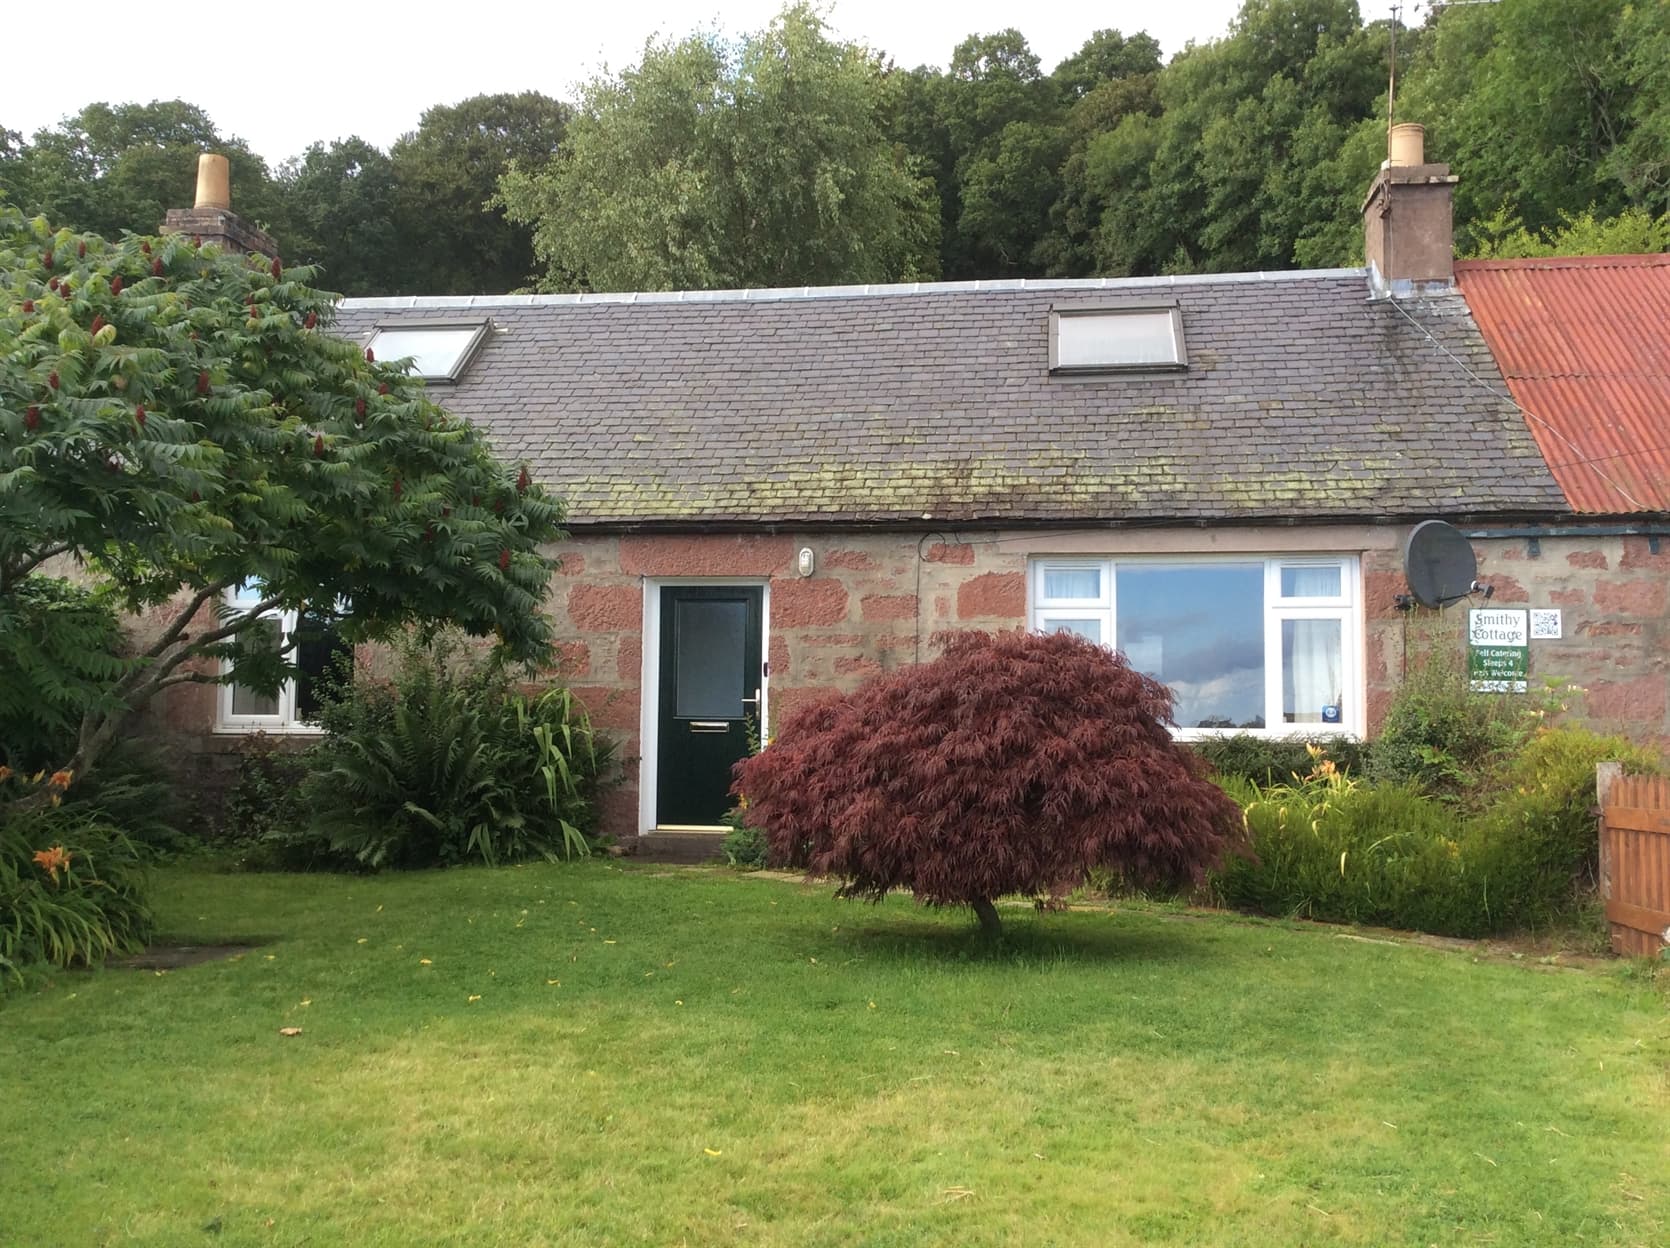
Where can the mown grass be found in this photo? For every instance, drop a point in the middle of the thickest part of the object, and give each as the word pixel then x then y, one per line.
pixel 596 1055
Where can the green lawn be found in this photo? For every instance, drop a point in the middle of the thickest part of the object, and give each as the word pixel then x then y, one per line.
pixel 602 1055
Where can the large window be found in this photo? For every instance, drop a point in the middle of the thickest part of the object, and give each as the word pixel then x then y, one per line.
pixel 1249 644
pixel 319 652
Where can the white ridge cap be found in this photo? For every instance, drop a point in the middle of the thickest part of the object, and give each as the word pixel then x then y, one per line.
pixel 765 294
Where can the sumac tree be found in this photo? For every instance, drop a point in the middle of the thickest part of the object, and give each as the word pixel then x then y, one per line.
pixel 1013 763
pixel 178 421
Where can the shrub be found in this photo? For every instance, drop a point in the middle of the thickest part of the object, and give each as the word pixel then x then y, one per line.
pixel 449 762
pixel 134 791
pixel 1541 833
pixel 1013 763
pixel 1327 847
pixel 266 820
pixel 60 651
pixel 744 846
pixel 71 892
pixel 1275 760
pixel 1334 849
pixel 1442 738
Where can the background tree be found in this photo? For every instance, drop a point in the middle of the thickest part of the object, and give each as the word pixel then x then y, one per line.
pixel 711 166
pixel 451 242
pixel 115 167
pixel 343 218
pixel 1013 763
pixel 180 421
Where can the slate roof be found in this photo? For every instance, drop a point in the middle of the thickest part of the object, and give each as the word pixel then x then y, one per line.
pixel 1584 342
pixel 1302 400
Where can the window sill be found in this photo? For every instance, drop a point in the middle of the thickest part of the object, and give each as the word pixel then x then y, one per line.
pixel 1287 732
pixel 272 730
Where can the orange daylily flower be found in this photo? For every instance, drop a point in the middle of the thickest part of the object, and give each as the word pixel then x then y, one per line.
pixel 61 779
pixel 53 860
pixel 5 774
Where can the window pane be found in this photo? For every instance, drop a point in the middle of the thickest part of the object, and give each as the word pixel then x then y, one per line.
pixel 1089 629
pixel 1198 628
pixel 1073 584
pixel 434 352
pixel 1316 582
pixel 246 593
pixel 1312 671
pixel 709 645
pixel 1115 340
pixel 246 701
pixel 323 658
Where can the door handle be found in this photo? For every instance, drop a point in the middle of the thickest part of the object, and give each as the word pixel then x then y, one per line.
pixel 753 701
pixel 710 725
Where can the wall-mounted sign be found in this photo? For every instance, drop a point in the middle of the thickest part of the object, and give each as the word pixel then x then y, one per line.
pixel 1498 649
pixel 1545 624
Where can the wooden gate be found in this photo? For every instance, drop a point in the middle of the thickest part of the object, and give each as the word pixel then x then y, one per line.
pixel 1635 860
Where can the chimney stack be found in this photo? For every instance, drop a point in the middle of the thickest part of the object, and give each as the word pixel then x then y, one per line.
pixel 211 219
pixel 1408 226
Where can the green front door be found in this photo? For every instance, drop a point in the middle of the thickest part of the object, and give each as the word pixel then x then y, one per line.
pixel 711 676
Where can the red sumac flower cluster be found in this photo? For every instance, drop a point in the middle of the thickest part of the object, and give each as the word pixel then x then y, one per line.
pixel 1013 763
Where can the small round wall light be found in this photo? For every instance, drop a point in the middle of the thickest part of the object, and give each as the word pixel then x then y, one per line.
pixel 804 563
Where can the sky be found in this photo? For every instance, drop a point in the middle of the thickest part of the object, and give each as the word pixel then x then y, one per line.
pixel 310 71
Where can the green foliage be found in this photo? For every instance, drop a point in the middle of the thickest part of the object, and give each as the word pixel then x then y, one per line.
pixel 266 820
pixel 1328 847
pixel 71 892
pixel 344 216
pixel 135 791
pixel 744 847
pixel 117 167
pixel 59 657
pixel 451 241
pixel 1540 827
pixel 181 421
pixel 449 762
pixel 1275 760
pixel 1385 855
pixel 1631 232
pixel 708 164
pixel 1440 737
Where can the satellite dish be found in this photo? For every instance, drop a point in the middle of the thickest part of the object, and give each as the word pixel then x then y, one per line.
pixel 1439 563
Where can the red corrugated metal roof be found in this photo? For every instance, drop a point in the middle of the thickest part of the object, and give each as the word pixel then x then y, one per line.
pixel 1584 342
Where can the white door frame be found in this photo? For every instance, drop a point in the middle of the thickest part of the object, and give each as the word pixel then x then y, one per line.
pixel 649 693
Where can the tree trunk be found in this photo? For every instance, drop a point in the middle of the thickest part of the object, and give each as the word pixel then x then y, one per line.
pixel 990 924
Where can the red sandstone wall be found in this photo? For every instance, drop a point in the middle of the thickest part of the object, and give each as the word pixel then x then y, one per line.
pixel 1614 595
pixel 863 612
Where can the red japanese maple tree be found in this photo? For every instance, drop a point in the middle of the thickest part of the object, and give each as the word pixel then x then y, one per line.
pixel 1013 763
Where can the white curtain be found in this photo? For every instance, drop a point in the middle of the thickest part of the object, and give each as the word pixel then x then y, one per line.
pixel 1314 666
pixel 1311 582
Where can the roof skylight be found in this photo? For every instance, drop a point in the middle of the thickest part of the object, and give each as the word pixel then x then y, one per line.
pixel 1095 340
pixel 438 350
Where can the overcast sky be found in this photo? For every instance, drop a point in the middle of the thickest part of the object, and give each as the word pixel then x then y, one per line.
pixel 307 70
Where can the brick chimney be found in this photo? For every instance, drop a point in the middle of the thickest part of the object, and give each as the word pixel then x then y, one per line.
pixel 211 218
pixel 1408 227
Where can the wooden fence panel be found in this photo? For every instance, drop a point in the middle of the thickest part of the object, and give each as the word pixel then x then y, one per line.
pixel 1635 853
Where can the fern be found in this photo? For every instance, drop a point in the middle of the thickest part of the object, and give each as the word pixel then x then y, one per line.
pixel 449 764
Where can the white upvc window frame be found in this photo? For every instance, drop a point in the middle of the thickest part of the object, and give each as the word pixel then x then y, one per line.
pixel 283 719
pixel 1046 613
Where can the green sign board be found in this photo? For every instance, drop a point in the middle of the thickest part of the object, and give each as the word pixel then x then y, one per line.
pixel 1498 650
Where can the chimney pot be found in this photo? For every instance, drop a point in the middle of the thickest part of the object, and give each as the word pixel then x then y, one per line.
pixel 212 220
pixel 1408 144
pixel 214 182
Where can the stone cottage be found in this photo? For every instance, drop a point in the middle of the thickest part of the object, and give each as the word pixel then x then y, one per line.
pixel 778 492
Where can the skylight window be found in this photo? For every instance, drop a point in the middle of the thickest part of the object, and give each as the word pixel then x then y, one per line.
pixel 1099 340
pixel 438 351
